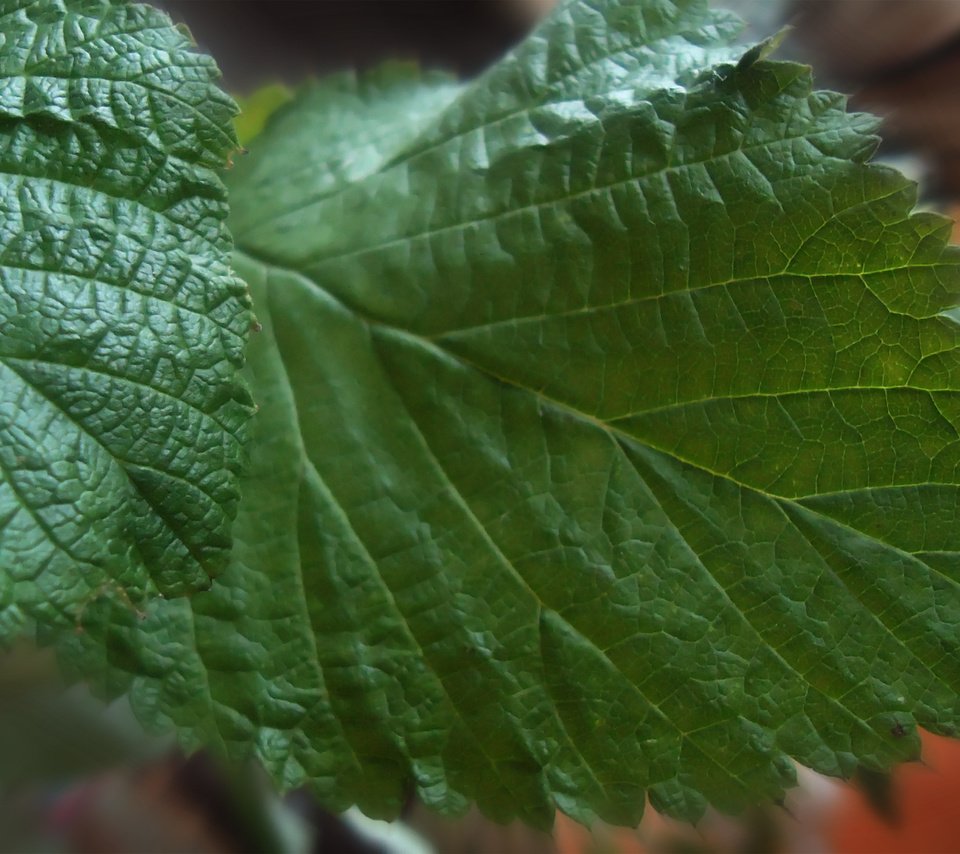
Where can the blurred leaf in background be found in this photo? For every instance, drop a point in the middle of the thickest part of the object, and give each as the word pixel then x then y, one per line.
pixel 53 738
pixel 257 107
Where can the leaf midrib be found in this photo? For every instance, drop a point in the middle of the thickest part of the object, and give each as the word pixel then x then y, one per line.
pixel 617 434
pixel 570 410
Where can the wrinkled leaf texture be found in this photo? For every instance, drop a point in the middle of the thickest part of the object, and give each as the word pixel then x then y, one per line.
pixel 122 325
pixel 608 440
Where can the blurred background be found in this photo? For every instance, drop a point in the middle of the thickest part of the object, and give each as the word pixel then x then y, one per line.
pixel 76 776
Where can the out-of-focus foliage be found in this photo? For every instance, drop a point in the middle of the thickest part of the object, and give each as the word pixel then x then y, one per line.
pixel 256 108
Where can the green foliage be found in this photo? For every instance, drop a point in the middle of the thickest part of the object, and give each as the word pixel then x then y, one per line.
pixel 607 444
pixel 257 107
pixel 122 326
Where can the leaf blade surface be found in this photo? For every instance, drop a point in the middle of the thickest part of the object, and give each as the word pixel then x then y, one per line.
pixel 624 400
pixel 123 325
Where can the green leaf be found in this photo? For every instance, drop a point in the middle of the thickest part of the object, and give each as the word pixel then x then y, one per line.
pixel 608 442
pixel 117 65
pixel 122 325
pixel 257 107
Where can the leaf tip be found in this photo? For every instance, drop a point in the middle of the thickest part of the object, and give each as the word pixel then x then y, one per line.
pixel 762 50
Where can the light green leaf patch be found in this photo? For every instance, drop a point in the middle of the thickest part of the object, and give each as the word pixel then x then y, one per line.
pixel 122 325
pixel 608 442
pixel 257 107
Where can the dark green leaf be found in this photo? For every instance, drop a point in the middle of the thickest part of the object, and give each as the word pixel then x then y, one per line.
pixel 122 325
pixel 609 441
